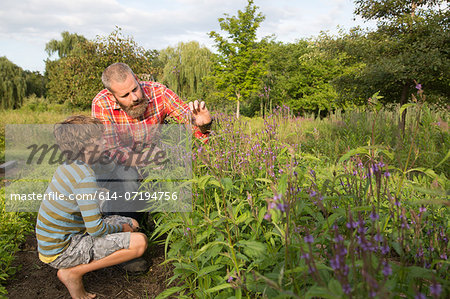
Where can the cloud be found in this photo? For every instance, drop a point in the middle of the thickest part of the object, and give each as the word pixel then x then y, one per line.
pixel 156 24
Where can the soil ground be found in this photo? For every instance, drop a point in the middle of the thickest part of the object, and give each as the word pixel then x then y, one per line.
pixel 35 279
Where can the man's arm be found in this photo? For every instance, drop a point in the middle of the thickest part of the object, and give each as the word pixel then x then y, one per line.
pixel 197 116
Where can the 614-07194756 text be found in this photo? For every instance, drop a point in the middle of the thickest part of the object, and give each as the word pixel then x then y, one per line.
pixel 138 196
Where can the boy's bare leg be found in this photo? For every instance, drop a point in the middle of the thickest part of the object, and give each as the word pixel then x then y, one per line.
pixel 72 277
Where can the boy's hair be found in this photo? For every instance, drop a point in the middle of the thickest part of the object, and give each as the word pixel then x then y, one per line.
pixel 76 132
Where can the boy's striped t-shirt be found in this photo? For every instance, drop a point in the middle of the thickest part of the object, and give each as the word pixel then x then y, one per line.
pixel 70 208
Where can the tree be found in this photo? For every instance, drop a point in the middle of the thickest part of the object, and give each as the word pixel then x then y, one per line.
pixel 410 45
pixel 239 66
pixel 76 79
pixel 65 46
pixel 12 86
pixel 185 66
pixel 36 83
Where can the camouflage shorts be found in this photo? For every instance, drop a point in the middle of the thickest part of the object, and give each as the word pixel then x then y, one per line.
pixel 85 248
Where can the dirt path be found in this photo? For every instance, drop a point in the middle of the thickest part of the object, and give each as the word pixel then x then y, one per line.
pixel 37 280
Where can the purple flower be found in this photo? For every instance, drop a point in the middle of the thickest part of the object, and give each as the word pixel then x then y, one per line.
pixel 387 174
pixel 347 288
pixel 419 86
pixel 435 289
pixel 420 296
pixel 387 270
pixel 378 237
pixel 230 279
pixel 385 249
pixel 374 216
pixel 338 238
pixel 422 209
pixel 443 256
pixel 345 270
pixel 305 256
pixel 334 263
pixel 313 193
pixel 268 216
pixel 351 225
pixel 282 207
pixel 308 239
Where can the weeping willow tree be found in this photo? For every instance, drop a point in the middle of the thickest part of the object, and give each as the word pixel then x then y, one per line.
pixel 12 84
pixel 66 45
pixel 184 68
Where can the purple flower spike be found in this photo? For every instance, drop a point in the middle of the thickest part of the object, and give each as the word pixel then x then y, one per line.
pixel 374 216
pixel 352 225
pixel 420 296
pixel 378 237
pixel 435 289
pixel 385 249
pixel 347 289
pixel 309 239
pixel 387 270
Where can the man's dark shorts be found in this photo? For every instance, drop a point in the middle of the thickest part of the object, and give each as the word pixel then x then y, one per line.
pixel 84 249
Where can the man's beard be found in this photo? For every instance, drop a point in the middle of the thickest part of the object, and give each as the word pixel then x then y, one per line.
pixel 135 110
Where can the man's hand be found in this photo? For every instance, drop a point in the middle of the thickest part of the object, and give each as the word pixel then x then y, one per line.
pixel 200 115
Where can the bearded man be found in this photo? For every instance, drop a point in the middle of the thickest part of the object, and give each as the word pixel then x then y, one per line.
pixel 130 108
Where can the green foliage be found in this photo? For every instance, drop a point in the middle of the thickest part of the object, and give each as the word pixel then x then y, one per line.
pixel 270 218
pixel 69 43
pixel 13 229
pixel 12 84
pixel 36 84
pixel 410 46
pixel 240 64
pixel 388 10
pixel 76 78
pixel 185 66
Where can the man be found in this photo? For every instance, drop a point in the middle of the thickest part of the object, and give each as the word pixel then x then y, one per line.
pixel 129 108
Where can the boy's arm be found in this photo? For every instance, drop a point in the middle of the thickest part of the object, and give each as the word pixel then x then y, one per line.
pixel 85 196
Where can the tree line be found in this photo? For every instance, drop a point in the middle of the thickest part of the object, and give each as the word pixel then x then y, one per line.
pixel 250 76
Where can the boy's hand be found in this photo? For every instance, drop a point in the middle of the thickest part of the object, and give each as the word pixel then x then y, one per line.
pixel 126 228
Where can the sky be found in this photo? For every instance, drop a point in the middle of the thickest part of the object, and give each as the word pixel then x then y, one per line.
pixel 27 25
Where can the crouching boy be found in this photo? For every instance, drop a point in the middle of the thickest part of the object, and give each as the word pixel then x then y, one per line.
pixel 72 235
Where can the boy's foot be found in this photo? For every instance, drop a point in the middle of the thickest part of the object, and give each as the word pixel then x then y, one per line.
pixel 74 284
pixel 135 267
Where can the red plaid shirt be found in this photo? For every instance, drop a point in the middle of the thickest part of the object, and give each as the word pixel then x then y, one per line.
pixel 123 132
